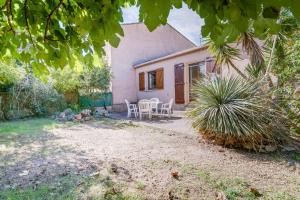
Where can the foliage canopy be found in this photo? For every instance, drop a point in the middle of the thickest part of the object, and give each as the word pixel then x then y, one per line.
pixel 58 32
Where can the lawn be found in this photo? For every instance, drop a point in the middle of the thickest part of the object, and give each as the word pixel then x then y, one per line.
pixel 117 160
pixel 31 126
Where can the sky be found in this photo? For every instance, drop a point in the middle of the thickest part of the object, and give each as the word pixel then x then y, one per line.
pixel 184 20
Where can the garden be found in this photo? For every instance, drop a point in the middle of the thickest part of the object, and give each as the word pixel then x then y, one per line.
pixel 58 141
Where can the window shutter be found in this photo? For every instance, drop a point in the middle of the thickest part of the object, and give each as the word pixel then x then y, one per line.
pixel 160 78
pixel 142 81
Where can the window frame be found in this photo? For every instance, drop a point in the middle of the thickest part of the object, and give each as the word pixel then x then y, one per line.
pixel 155 84
pixel 197 64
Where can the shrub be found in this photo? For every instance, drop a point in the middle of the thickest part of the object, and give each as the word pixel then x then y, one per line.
pixel 32 97
pixel 10 74
pixel 96 80
pixel 233 112
pixel 66 80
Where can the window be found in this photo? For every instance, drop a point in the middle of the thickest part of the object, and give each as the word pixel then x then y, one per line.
pixel 156 79
pixel 197 71
pixel 202 67
pixel 151 80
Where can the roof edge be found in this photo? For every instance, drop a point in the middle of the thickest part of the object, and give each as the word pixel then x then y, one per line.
pixel 180 53
pixel 132 23
pixel 194 44
pixel 172 27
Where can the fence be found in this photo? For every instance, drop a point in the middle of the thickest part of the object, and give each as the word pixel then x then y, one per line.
pixel 96 100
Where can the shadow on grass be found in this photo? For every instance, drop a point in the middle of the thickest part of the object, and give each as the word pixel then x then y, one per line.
pixel 42 169
pixel 14 132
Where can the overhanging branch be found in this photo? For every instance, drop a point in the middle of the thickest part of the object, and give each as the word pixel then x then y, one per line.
pixel 49 18
pixel 26 21
pixel 9 15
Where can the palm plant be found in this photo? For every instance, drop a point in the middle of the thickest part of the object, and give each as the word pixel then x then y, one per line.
pixel 234 112
pixel 225 54
pixel 254 72
pixel 253 49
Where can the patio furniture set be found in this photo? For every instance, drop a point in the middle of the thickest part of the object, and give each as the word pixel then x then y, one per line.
pixel 149 107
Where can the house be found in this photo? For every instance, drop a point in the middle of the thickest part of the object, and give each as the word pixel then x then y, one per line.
pixel 162 64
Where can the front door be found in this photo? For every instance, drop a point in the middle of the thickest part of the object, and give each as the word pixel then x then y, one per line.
pixel 179 83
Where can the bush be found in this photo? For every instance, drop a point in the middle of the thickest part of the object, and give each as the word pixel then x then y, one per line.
pixel 10 74
pixel 233 112
pixel 96 80
pixel 31 97
pixel 66 80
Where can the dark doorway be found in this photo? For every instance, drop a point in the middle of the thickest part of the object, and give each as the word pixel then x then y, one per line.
pixel 179 83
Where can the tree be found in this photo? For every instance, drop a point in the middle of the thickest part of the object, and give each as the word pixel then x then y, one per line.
pixel 66 80
pixel 96 79
pixel 54 33
pixel 10 74
pixel 225 55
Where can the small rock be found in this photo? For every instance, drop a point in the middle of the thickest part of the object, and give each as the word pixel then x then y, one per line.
pixel 70 117
pixel 270 148
pixel 100 112
pixel 62 115
pixel 85 113
pixel 87 118
pixel 175 174
pixel 24 173
pixel 78 117
pixel 68 111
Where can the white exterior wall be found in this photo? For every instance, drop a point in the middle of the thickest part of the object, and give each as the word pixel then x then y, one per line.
pixel 138 45
pixel 169 75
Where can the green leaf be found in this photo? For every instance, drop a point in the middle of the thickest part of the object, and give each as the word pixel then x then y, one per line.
pixel 2 2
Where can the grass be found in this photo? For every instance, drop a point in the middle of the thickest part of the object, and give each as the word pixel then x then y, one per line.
pixel 238 189
pixel 11 130
pixel 231 188
pixel 29 126
pixel 296 156
pixel 69 188
pixel 140 186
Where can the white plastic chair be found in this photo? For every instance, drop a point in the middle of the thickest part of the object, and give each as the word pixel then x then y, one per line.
pixel 145 108
pixel 131 109
pixel 154 104
pixel 166 108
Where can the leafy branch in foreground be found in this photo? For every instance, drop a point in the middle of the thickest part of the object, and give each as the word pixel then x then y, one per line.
pixel 54 33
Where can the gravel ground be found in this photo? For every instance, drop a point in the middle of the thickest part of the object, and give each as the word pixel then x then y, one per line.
pixel 156 163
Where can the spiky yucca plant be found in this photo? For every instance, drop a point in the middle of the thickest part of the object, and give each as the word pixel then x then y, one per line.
pixel 234 112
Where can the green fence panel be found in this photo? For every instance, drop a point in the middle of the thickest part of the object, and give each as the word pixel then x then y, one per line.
pixel 97 100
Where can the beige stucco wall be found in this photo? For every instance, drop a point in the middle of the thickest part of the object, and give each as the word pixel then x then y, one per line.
pixel 138 45
pixel 169 77
pixel 240 63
